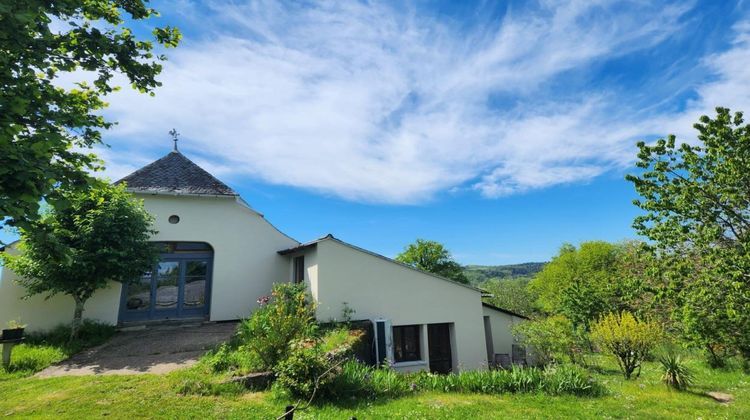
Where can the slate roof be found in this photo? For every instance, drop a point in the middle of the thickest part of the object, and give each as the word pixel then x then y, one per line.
pixel 175 174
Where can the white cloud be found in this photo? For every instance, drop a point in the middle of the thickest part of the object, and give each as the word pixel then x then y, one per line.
pixel 375 104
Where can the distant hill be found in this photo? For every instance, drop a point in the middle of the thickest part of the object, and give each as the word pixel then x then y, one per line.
pixel 478 274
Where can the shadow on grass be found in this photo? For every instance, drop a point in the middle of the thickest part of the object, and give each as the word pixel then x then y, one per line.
pixel 601 370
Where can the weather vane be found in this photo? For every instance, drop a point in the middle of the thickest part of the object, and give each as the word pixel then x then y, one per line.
pixel 173 132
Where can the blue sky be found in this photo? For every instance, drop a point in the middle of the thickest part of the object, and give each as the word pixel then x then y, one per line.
pixel 502 129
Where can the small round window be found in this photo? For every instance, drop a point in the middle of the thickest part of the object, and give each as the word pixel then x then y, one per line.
pixel 174 219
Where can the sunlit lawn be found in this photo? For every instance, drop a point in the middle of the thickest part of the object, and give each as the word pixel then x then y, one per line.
pixel 156 396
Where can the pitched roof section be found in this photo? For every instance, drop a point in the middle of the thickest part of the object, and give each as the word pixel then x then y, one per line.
pixel 330 237
pixel 175 174
pixel 499 309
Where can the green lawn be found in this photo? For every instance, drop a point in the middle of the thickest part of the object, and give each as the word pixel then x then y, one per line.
pixel 156 396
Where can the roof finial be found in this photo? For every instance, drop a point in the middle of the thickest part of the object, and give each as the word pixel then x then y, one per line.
pixel 173 132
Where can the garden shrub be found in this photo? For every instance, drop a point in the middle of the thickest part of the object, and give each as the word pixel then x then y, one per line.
pixel 286 316
pixel 306 368
pixel 675 373
pixel 318 359
pixel 233 358
pixel 551 339
pixel 626 338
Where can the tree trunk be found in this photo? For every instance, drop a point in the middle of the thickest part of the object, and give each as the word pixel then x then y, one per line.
pixel 75 326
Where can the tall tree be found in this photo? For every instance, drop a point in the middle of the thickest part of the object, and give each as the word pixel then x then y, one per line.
pixel 579 282
pixel 511 294
pixel 45 128
pixel 696 198
pixel 101 236
pixel 433 257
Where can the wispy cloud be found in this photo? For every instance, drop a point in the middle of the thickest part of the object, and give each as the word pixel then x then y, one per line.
pixel 388 104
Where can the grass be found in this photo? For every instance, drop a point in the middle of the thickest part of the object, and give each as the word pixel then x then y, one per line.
pixel 160 396
pixel 41 350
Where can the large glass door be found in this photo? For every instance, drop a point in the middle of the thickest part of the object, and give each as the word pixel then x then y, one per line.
pixel 178 286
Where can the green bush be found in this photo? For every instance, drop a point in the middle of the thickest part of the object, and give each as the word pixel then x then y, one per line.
pixel 626 338
pixel 232 358
pixel 321 360
pixel 675 372
pixel 284 317
pixel 306 368
pixel 551 339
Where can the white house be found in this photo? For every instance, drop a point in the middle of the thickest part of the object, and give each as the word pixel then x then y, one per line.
pixel 220 255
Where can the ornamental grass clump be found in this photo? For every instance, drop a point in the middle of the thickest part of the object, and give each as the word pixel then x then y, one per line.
pixel 675 373
pixel 626 338
pixel 556 380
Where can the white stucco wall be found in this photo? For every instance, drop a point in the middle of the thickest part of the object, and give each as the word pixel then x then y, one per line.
pixel 40 314
pixel 246 262
pixel 501 325
pixel 376 287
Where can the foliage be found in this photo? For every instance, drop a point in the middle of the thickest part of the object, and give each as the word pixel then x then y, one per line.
pixel 478 274
pixel 15 324
pixel 626 338
pixel 91 334
pixel 42 349
pixel 102 236
pixel 313 365
pixel 552 339
pixel 705 322
pixel 357 380
pixel 46 128
pixel 287 316
pixel 148 396
pixel 431 256
pixel 197 381
pixel 554 380
pixel 641 283
pixel 696 199
pixel 578 282
pixel 674 371
pixel 306 368
pixel 232 358
pixel 26 359
pixel 511 294
pixel 347 312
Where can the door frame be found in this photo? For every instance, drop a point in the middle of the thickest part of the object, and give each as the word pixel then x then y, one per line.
pixel 434 342
pixel 154 314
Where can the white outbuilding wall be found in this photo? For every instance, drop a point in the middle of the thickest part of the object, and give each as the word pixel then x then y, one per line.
pixel 377 287
pixel 501 327
pixel 41 314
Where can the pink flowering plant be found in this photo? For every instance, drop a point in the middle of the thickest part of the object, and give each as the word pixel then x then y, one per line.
pixel 287 316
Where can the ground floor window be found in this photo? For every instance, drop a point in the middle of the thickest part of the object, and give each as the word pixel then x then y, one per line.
pixel 406 343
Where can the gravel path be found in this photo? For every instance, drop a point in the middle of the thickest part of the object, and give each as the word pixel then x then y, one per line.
pixel 155 349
